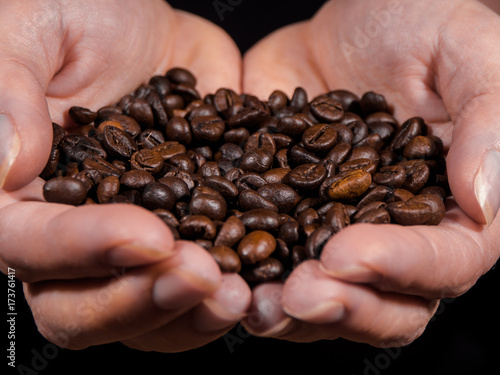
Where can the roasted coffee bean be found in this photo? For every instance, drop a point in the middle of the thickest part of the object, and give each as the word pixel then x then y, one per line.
pixel 267 270
pixel 231 232
pixel 326 109
pixel 262 185
pixel 337 217
pixel 118 143
pixel 372 102
pixel 261 219
pixel 181 75
pixel 410 129
pixel 320 138
pixel 317 240
pixel 393 176
pixel 349 186
pixel 103 167
pixel 150 138
pixel 256 246
pixel 207 129
pixel 257 161
pixel 108 189
pixel 208 202
pixel 197 227
pixel 283 196
pixel 136 179
pixel 65 190
pixel 227 259
pixel 306 177
pixel 261 141
pixel 147 160
pixel 82 116
pixel 79 147
pixel 225 187
pixel 158 196
pixel 250 199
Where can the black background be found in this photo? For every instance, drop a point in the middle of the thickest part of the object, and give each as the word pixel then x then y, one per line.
pixel 461 339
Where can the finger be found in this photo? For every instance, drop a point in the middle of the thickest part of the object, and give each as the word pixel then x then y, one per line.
pixel 283 61
pixel 354 312
pixel 469 84
pixel 79 313
pixel 63 242
pixel 208 51
pixel 206 322
pixel 430 261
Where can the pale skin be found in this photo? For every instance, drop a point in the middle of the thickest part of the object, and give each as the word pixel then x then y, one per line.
pixel 102 274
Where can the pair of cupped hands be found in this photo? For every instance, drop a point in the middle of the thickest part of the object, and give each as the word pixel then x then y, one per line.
pixel 101 274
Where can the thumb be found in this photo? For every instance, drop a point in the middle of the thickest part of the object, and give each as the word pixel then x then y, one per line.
pixel 25 126
pixel 469 80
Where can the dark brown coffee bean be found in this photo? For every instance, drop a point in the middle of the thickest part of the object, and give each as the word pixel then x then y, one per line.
pixel 420 147
pixel 160 115
pixel 107 189
pixel 337 217
pixel 52 163
pixel 377 194
pixel 401 195
pixel 372 102
pixel 393 176
pixel 229 151
pixel 375 205
pixel 225 187
pixel 128 124
pixel 350 101
pixel 141 111
pixel 250 199
pixel 227 259
pixel 147 160
pixel 436 205
pixel 181 75
pixel 277 100
pixel 224 99
pixel 65 190
pixel 237 136
pixel 326 109
pixel 410 212
pixel 78 148
pixel 118 143
pixel 261 219
pixel 178 186
pixel 208 202
pixel 103 167
pixel 320 138
pixel 375 216
pixel 281 159
pixel 183 163
pixel 158 196
pixel 261 141
pixel 367 165
pixel 275 175
pixel 168 217
pixel 416 178
pixel 136 179
pixel 283 196
pixel 161 85
pixel 269 269
pixel 306 177
pixel 231 232
pixel 257 161
pixel 317 240
pixel 339 153
pixel 289 232
pixel 150 138
pixel 256 246
pixel 350 186
pixel 207 129
pixel 299 155
pixel 293 126
pixel 197 227
pixel 410 129
pixel 82 116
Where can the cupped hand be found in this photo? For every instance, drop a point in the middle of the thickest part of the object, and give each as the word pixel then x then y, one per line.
pixel 102 274
pixel 382 284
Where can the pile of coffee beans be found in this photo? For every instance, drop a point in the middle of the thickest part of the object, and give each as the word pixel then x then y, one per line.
pixel 261 185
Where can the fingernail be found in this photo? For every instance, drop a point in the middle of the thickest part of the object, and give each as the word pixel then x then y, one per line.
pixel 9 149
pixel 326 312
pixel 487 185
pixel 135 255
pixel 179 289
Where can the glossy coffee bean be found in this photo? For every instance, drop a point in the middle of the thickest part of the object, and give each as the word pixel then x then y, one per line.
pixel 197 227
pixel 256 246
pixel 65 190
pixel 267 270
pixel 231 232
pixel 351 185
pixel 81 115
pixel 158 196
pixel 227 259
pixel 261 219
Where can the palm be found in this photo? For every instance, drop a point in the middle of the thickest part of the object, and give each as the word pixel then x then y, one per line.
pixel 406 54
